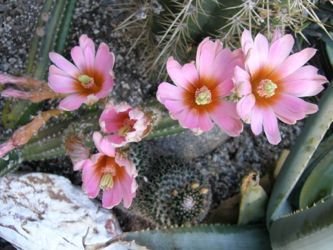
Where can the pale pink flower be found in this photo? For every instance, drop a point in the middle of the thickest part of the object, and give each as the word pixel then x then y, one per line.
pixel 6 147
pixel 272 82
pixel 27 88
pixel 17 80
pixel 89 79
pixel 121 124
pixel 112 173
pixel 201 90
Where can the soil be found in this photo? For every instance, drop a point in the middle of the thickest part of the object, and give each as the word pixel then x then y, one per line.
pixel 227 163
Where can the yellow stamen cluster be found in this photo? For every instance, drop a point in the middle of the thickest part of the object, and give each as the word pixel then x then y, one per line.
pixel 106 181
pixel 203 96
pixel 266 88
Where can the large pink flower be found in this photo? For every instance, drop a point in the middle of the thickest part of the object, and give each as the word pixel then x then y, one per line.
pixel 90 79
pixel 112 173
pixel 199 95
pixel 122 124
pixel 272 82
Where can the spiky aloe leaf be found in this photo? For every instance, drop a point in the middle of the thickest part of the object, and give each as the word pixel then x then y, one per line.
pixel 307 229
pixel 320 182
pixel 299 157
pixel 211 237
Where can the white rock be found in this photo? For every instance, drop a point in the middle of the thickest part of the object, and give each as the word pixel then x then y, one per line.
pixel 43 211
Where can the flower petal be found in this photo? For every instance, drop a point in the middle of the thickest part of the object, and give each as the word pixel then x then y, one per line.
pixel 112 197
pixel 72 102
pixel 246 41
pixel 271 126
pixel 225 116
pixel 11 92
pixel 256 120
pixel 78 58
pixel 182 76
pixel 63 64
pixel 104 59
pixel 88 48
pixel 90 179
pixel 302 88
pixel 6 147
pixel 167 91
pixel 262 48
pixel 103 144
pixel 61 84
pixel 280 50
pixel 294 62
pixel 290 109
pixel 242 82
pixel 206 55
pixel 245 106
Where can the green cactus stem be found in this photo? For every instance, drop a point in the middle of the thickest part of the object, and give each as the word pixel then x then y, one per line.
pixel 54 22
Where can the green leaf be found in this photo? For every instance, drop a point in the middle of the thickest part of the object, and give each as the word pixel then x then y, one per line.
pixel 320 182
pixel 299 157
pixel 308 229
pixel 200 237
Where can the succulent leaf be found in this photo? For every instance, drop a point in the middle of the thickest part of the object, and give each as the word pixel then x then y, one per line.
pixel 217 237
pixel 320 182
pixel 306 229
pixel 299 157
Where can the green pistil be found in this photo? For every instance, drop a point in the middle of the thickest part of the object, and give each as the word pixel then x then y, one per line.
pixel 86 81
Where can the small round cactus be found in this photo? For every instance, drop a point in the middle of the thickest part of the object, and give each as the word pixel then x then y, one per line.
pixel 170 192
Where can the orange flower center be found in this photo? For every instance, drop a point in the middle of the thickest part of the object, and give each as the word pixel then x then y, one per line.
pixel 266 86
pixel 89 82
pixel 203 96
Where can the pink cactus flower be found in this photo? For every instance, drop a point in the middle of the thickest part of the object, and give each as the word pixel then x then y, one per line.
pixel 89 79
pixel 121 124
pixel 272 82
pixel 199 94
pixel 112 173
pixel 5 78
pixel 6 147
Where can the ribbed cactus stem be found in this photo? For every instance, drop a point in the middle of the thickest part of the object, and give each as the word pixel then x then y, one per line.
pixel 49 143
pixel 54 22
